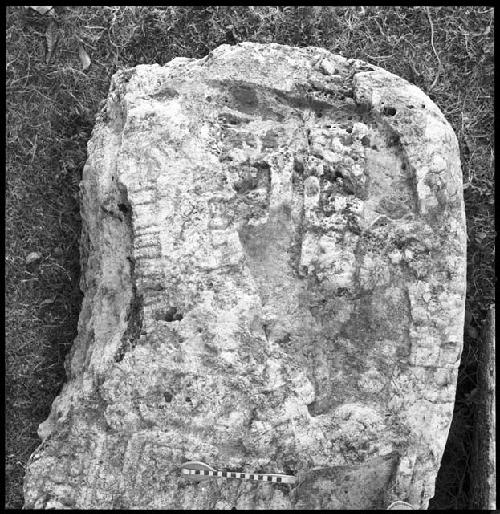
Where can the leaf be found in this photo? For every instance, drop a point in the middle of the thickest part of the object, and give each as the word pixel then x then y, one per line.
pixel 479 237
pixel 489 48
pixel 472 332
pixel 84 57
pixel 48 301
pixel 33 257
pixel 40 9
pixel 51 35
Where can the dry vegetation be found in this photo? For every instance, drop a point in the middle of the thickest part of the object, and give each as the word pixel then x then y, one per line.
pixel 51 107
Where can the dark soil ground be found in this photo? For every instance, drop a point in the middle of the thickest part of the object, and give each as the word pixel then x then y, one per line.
pixel 51 106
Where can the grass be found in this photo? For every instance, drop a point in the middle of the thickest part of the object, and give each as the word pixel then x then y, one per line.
pixel 50 113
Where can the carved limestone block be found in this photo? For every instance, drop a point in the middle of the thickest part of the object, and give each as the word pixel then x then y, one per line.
pixel 273 262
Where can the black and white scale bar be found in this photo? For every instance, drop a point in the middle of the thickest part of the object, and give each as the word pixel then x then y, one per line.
pixel 283 479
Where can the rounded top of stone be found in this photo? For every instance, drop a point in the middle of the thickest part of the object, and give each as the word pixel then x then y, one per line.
pixel 284 68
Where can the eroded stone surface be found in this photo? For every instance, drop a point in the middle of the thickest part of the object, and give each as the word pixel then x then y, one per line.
pixel 273 257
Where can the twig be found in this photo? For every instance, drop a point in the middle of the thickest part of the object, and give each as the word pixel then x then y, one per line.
pixel 434 50
pixel 379 58
pixel 34 148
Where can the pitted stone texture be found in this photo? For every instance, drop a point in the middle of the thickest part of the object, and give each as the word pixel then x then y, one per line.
pixel 273 258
